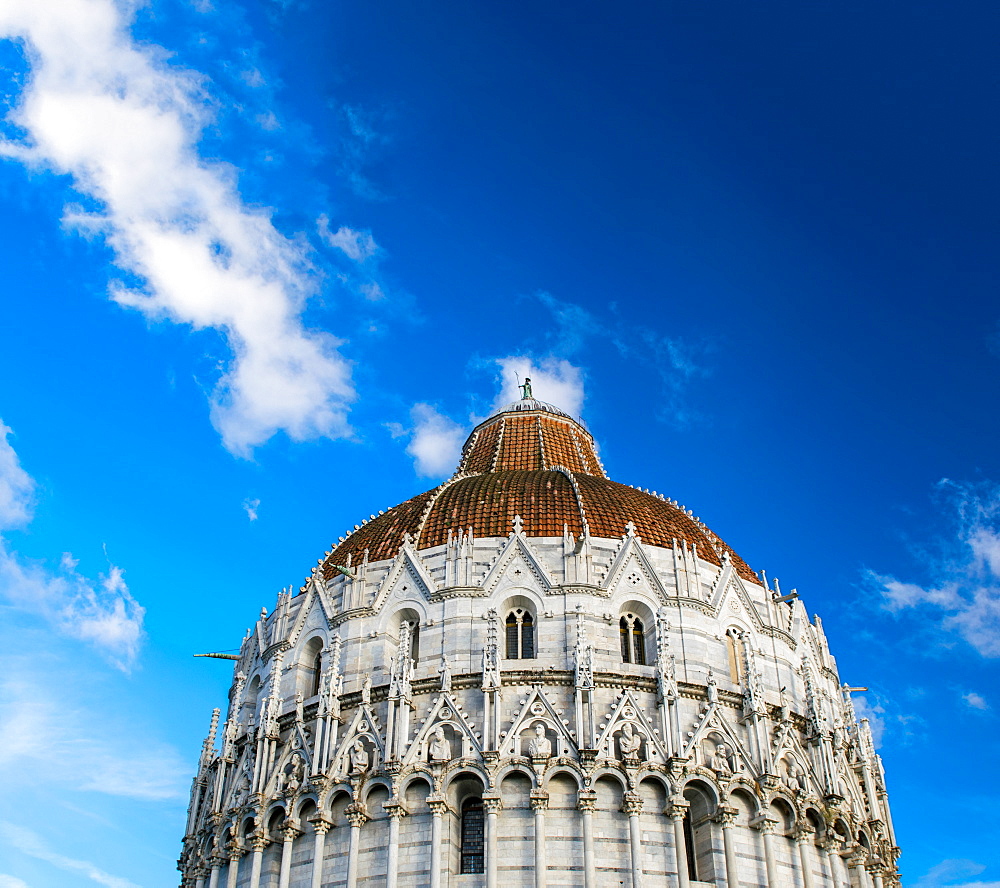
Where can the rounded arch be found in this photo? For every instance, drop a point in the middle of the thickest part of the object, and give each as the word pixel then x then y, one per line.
pixel 507 770
pixel 249 706
pixel 274 816
pixel 412 780
pixel 610 772
pixel 412 609
pixel 522 597
pixel 563 769
pixel 373 783
pixel 520 626
pixel 700 789
pixel 305 803
pixel 338 796
pixel 460 770
pixel 782 811
pixel 637 631
pixel 464 783
pixel 648 771
pixel 310 665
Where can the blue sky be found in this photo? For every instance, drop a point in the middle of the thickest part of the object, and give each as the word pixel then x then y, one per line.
pixel 264 264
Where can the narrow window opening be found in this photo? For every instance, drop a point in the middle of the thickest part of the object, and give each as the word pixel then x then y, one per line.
pixel 689 848
pixel 527 638
pixel 473 836
pixel 317 676
pixel 623 637
pixel 639 643
pixel 513 651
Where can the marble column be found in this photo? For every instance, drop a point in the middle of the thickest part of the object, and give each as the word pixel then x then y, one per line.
pixel 632 806
pixel 257 844
pixel 234 868
pixel 676 811
pixel 804 839
pixel 725 816
pixel 322 827
pixel 856 863
pixel 828 855
pixel 493 805
pixel 766 826
pixel 356 816
pixel 539 802
pixel 587 804
pixel 288 836
pixel 396 811
pixel 213 877
pixel 199 878
pixel 875 871
pixel 438 808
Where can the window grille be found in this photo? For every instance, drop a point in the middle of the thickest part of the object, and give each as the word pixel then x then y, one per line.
pixel 473 836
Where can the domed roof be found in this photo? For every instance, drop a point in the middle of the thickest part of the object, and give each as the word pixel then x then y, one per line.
pixel 532 460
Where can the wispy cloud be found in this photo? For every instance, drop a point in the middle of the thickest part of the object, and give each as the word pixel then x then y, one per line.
pixel 12 882
pixel 965 585
pixel 362 274
pixel 675 361
pixel 875 713
pixel 955 873
pixel 555 380
pixel 16 485
pixel 435 441
pixel 250 506
pixel 75 744
pixel 125 125
pixel 32 844
pixel 103 613
pixel 976 701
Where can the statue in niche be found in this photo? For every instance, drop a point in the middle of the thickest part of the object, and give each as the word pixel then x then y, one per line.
pixel 793 775
pixel 444 670
pixel 366 689
pixel 629 742
pixel 295 774
pixel 440 748
pixel 719 761
pixel 358 757
pixel 539 746
pixel 712 689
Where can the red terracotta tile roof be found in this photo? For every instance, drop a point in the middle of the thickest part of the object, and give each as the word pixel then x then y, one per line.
pixel 521 462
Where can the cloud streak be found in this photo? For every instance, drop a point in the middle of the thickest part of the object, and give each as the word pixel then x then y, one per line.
pixel 103 613
pixel 965 589
pixel 125 125
pixel 31 844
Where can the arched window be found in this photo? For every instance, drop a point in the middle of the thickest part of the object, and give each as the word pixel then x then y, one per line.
pixel 414 641
pixel 317 679
pixel 734 649
pixel 520 628
pixel 473 833
pixel 632 637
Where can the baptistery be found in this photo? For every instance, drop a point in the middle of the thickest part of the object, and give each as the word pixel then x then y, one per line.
pixel 536 676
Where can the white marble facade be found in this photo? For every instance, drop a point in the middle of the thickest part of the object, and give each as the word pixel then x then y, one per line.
pixel 377 716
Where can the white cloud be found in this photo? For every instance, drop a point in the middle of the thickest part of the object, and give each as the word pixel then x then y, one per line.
pixel 976 701
pixel 16 485
pixel 31 844
pixel 47 728
pixel 966 586
pixel 435 442
pixel 11 882
pixel 102 613
pixel 358 246
pixel 954 873
pixel 250 506
pixel 554 380
pixel 875 713
pixel 114 115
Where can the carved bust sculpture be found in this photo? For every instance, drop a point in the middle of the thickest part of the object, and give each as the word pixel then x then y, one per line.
pixel 540 746
pixel 440 748
pixel 629 741
pixel 719 762
pixel 359 757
